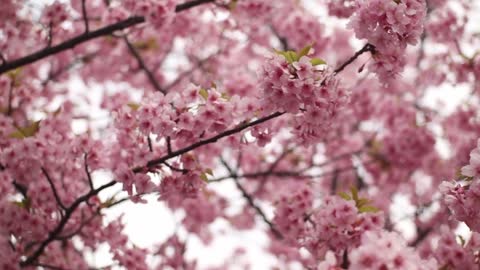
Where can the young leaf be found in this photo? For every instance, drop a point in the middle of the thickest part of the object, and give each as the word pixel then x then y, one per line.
pixel 204 177
pixel 293 57
pixel 304 51
pixel 368 209
pixel 134 106
pixel 317 61
pixel 25 132
pixel 345 196
pixel 204 93
pixel 354 192
pixel 209 172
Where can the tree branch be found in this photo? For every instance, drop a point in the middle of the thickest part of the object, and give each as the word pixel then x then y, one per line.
pixel 58 229
pixel 143 66
pixel 85 18
pixel 87 172
pixel 71 43
pixel 367 48
pixel 213 139
pixel 251 202
pixel 54 189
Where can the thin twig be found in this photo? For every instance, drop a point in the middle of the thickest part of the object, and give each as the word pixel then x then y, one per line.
pixel 58 229
pixel 251 202
pixel 89 176
pixel 71 43
pixel 157 161
pixel 367 48
pixel 179 78
pixel 52 186
pixel 190 4
pixel 10 98
pixel 85 18
pixel 149 141
pixel 79 229
pixel 184 171
pixel 143 66
pixel 169 145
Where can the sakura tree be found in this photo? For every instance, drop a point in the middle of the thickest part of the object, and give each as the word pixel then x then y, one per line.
pixel 306 121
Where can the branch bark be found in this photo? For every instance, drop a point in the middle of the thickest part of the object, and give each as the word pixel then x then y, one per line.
pixel 143 66
pixel 71 43
pixel 367 48
pixel 213 139
pixel 59 228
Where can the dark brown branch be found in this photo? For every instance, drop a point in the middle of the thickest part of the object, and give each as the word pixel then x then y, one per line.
pixel 87 172
pixel 79 229
pixel 367 48
pixel 175 168
pixel 149 141
pixel 10 98
pixel 155 162
pixel 54 189
pixel 20 188
pixel 71 43
pixel 58 229
pixel 169 145
pixel 143 66
pixel 251 202
pixel 283 41
pixel 85 17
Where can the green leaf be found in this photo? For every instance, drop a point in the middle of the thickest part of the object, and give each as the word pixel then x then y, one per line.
pixel 345 196
pixel 362 202
pixel 225 96
pixel 293 57
pixel 368 209
pixel 317 61
pixel 25 203
pixel 109 202
pixel 15 76
pixel 149 44
pixel 134 106
pixel 232 5
pixel 27 131
pixel 354 192
pixel 462 240
pixel 204 93
pixel 204 177
pixel 290 56
pixel 209 172
pixel 304 51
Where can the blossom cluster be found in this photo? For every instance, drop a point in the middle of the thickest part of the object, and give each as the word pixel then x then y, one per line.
pixel 305 89
pixel 387 250
pixel 337 224
pixel 389 26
